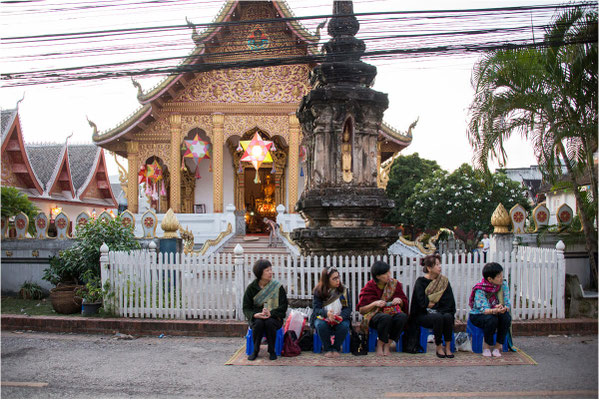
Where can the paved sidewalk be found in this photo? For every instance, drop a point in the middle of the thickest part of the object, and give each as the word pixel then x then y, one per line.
pixel 54 365
pixel 229 328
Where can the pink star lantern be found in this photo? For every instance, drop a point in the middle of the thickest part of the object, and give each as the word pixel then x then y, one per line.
pixel 198 150
pixel 257 151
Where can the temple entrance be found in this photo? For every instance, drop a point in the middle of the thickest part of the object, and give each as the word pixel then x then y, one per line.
pixel 259 199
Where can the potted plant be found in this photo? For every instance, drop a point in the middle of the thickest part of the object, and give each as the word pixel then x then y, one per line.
pixel 63 275
pixel 31 291
pixel 91 293
pixel 69 268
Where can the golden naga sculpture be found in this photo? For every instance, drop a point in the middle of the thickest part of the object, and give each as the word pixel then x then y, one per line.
pixel 122 174
pixel 500 220
pixel 170 224
pixel 93 125
pixel 188 239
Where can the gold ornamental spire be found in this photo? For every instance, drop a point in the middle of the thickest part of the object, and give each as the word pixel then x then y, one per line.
pixel 170 224
pixel 500 220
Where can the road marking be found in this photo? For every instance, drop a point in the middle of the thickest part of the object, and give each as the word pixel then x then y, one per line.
pixel 25 384
pixel 493 394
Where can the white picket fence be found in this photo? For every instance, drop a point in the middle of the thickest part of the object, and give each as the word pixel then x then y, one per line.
pixel 150 285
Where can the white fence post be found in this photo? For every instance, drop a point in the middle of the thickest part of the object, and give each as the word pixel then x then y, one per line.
pixel 239 287
pixel 561 279
pixel 104 266
pixel 152 248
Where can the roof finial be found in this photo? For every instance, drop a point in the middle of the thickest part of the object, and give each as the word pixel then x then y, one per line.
pixel 95 133
pixel 140 92
pixel 68 137
pixel 412 126
pixel 22 98
pixel 194 34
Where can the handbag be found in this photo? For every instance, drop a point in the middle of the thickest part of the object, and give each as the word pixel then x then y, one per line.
pixel 411 339
pixel 358 342
pixel 290 345
pixel 391 310
pixel 306 341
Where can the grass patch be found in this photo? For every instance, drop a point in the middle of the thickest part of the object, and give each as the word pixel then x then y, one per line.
pixel 14 305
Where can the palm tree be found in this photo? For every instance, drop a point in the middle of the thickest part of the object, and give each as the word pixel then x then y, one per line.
pixel 548 95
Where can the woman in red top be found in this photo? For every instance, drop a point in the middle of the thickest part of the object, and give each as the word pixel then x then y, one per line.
pixel 383 305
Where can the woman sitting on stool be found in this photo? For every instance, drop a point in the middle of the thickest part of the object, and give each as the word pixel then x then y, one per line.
pixel 433 304
pixel 332 311
pixel 383 305
pixel 490 304
pixel 264 306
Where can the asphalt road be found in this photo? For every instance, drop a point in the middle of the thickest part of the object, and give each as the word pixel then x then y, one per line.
pixel 39 365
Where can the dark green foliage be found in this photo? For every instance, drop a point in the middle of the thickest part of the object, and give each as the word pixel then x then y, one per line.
pixel 14 201
pixel 406 172
pixel 30 290
pixel 92 291
pixel 84 255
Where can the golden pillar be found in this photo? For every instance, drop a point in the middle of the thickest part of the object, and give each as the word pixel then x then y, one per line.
pixel 218 121
pixel 294 135
pixel 132 186
pixel 175 171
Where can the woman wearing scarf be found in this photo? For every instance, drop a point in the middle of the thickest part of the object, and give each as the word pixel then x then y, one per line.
pixel 264 306
pixel 433 304
pixel 332 311
pixel 383 305
pixel 490 308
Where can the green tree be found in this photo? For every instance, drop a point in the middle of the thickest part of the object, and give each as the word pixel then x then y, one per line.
pixel 463 201
pixel 406 172
pixel 549 96
pixel 14 201
pixel 84 255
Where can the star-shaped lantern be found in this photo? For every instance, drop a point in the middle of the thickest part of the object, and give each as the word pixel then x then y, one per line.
pixel 257 151
pixel 198 150
pixel 154 171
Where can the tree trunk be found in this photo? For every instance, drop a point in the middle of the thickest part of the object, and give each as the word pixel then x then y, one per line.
pixel 587 226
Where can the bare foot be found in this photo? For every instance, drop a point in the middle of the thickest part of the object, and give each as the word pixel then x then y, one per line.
pixel 379 348
pixel 386 351
pixel 328 354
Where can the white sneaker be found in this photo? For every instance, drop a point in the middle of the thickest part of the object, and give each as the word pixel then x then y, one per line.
pixel 486 353
pixel 496 353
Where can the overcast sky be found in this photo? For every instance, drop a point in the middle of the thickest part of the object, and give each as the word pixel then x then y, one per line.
pixel 436 90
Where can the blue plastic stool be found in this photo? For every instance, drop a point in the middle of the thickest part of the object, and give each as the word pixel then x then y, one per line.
pixel 424 334
pixel 373 336
pixel 317 343
pixel 477 335
pixel 249 342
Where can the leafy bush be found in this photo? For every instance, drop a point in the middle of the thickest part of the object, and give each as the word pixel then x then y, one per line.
pixel 14 201
pixel 30 290
pixel 92 291
pixel 84 255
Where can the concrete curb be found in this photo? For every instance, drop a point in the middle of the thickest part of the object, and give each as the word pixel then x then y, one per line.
pixel 229 328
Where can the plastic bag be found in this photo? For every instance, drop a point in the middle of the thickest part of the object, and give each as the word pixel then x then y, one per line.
pixel 463 342
pixel 295 322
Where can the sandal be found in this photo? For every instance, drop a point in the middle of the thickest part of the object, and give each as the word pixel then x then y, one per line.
pixel 496 353
pixel 486 353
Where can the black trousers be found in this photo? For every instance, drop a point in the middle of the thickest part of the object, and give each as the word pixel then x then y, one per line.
pixel 491 323
pixel 388 326
pixel 440 323
pixel 265 327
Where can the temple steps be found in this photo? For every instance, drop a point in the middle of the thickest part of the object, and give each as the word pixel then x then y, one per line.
pixel 254 245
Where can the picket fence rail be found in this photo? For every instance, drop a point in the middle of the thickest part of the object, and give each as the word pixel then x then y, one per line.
pixel 147 284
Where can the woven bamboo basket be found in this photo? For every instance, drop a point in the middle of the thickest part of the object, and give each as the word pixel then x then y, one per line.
pixel 64 300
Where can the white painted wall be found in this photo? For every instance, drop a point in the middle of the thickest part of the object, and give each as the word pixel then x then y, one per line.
pixel 203 189
pixel 228 178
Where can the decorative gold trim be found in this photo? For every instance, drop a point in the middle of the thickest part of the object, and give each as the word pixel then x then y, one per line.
pixel 230 108
pixel 213 242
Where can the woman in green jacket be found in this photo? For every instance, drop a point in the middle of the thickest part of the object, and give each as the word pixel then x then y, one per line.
pixel 264 306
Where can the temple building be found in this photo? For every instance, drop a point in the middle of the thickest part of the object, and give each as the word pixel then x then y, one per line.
pixel 219 112
pixel 55 176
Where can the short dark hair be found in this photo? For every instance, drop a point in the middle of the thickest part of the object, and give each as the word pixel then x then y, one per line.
pixel 379 268
pixel 429 262
pixel 491 270
pixel 260 266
